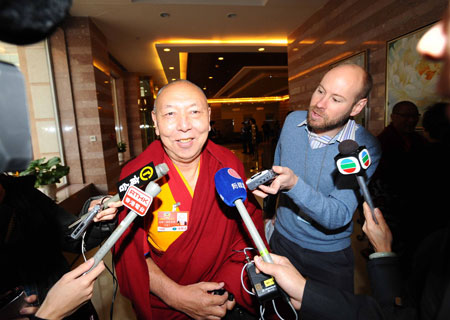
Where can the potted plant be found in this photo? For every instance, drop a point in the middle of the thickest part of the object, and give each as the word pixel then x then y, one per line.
pixel 47 173
pixel 121 148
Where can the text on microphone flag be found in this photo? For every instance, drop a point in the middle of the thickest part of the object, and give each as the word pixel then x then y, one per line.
pixel 137 200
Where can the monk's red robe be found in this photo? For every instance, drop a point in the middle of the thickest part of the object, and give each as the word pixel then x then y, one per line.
pixel 202 253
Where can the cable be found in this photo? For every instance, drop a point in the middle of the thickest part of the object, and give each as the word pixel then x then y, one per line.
pixel 276 311
pixel 83 246
pixel 242 280
pixel 261 307
pixel 261 312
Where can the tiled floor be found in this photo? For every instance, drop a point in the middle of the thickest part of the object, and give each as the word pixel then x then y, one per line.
pixel 103 291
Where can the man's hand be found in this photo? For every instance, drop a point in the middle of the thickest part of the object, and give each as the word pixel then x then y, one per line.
pixel 70 292
pixel 285 180
pixel 29 309
pixel 379 235
pixel 286 276
pixel 198 303
pixel 107 214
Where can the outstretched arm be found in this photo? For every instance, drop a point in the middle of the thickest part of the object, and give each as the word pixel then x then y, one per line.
pixel 70 292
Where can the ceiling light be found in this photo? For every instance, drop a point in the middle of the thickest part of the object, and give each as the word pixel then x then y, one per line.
pixel 173 79
pixel 164 14
pixel 335 42
pixel 204 88
pixel 307 41
pixel 229 41
pixel 171 68
pixel 261 49
pixel 210 77
pixel 249 100
pixel 167 49
pixel 220 58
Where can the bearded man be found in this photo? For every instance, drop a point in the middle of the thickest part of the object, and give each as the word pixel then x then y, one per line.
pixel 316 204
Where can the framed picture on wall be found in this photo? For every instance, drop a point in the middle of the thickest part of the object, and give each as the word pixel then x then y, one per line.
pixel 359 59
pixel 410 76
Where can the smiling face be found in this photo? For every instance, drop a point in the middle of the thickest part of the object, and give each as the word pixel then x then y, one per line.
pixel 335 100
pixel 181 119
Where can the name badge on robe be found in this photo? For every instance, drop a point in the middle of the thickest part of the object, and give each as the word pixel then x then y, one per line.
pixel 169 221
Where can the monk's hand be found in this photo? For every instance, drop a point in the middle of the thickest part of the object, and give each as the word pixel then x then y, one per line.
pixel 197 301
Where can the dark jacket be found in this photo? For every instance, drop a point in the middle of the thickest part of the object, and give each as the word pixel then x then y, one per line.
pixel 425 295
pixel 33 234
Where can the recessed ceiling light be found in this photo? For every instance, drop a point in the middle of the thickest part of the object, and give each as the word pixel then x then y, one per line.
pixel 204 88
pixel 210 77
pixel 261 49
pixel 164 14
pixel 167 49
pixel 171 68
pixel 173 79
pixel 220 58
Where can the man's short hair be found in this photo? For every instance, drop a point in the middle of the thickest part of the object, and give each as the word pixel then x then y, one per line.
pixel 366 87
pixel 172 83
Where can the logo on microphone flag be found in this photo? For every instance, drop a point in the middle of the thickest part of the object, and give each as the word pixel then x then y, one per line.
pixel 233 173
pixel 137 200
pixel 365 159
pixel 348 165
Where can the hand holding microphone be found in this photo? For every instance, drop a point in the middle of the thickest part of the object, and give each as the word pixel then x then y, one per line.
pixel 100 210
pixel 232 191
pixel 138 200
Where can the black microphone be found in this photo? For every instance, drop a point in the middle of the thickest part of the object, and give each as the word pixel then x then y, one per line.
pixel 354 160
pixel 155 174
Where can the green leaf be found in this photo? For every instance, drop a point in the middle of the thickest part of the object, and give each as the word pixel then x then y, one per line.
pixel 46 172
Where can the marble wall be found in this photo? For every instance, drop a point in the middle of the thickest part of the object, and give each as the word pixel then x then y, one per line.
pixel 83 79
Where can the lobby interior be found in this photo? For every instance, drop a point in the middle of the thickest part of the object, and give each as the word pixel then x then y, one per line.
pixel 92 84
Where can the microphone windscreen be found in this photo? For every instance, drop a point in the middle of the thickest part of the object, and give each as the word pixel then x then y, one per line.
pixel 348 146
pixel 230 186
pixel 30 21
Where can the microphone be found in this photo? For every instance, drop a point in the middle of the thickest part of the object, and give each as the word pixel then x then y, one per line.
pixel 232 191
pixel 152 190
pixel 354 159
pixel 159 172
pixel 152 174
